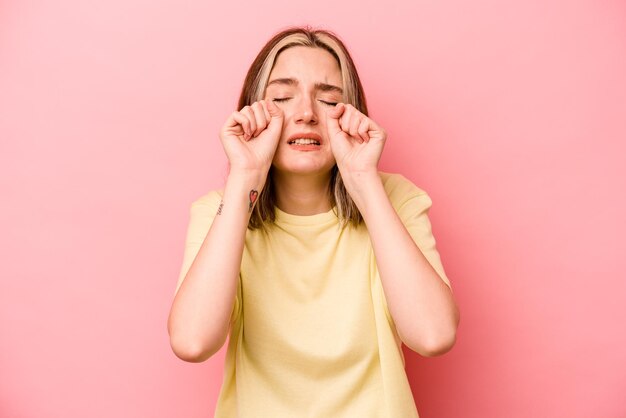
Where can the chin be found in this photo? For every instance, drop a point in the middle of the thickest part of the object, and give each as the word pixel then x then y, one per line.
pixel 303 163
pixel 304 167
pixel 303 170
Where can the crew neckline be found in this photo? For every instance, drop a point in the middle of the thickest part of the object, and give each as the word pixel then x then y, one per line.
pixel 318 218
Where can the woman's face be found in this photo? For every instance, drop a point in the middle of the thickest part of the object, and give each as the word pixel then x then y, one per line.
pixel 304 83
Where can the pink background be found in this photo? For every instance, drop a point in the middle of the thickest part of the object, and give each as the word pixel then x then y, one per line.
pixel 511 115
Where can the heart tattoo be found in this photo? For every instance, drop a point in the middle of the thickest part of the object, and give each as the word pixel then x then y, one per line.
pixel 253 196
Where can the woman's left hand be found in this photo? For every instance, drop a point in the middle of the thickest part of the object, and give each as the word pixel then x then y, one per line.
pixel 356 141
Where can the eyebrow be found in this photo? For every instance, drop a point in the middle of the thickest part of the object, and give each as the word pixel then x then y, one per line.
pixel 318 86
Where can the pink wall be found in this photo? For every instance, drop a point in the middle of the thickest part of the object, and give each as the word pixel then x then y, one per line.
pixel 510 114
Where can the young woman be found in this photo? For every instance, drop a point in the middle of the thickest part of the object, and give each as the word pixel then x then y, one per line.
pixel 316 264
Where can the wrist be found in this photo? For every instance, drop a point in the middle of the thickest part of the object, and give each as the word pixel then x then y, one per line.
pixel 360 183
pixel 242 190
pixel 254 178
pixel 357 180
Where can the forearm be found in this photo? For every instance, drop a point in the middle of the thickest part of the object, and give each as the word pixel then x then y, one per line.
pixel 199 319
pixel 420 302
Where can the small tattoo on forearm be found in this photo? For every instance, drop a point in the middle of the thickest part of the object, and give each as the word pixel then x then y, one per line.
pixel 219 210
pixel 253 196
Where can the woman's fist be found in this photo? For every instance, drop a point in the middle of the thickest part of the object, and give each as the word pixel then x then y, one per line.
pixel 250 136
pixel 357 141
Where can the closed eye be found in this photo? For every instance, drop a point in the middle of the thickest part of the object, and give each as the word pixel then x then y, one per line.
pixel 283 99
pixel 329 103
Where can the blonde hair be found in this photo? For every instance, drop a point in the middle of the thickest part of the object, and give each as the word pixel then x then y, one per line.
pixel 254 90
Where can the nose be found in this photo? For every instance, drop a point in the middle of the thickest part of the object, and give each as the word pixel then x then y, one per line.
pixel 305 111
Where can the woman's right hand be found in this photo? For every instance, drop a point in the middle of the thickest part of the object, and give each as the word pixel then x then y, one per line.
pixel 250 136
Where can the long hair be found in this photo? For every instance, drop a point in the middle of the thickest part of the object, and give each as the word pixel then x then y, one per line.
pixel 254 90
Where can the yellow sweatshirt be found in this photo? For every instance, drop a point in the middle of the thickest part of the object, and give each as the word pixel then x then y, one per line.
pixel 312 335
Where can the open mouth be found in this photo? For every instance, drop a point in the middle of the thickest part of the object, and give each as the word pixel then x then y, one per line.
pixel 304 141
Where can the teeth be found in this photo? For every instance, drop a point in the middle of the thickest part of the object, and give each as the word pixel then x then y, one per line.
pixel 304 141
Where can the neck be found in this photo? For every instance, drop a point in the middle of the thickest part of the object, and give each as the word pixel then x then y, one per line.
pixel 302 194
